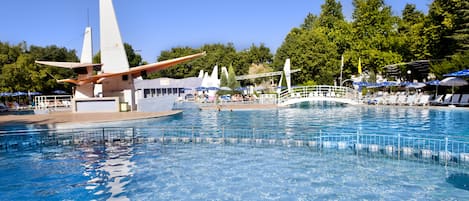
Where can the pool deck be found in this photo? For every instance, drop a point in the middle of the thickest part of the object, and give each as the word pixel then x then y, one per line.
pixel 53 119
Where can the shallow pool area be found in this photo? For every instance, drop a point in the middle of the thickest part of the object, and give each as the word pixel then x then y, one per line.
pixel 186 171
pixel 306 152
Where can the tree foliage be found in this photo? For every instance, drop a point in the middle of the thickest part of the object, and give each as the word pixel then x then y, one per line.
pixel 20 73
pixel 217 54
pixel 373 34
pixel 232 82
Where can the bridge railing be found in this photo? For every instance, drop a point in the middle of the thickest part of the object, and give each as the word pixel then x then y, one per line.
pixel 318 91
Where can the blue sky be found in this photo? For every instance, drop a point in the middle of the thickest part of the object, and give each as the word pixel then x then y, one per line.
pixel 152 26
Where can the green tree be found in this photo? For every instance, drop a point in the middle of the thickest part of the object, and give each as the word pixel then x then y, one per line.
pixel 223 79
pixel 456 62
pixel 259 55
pixel 310 22
pixel 316 46
pixel 232 82
pixel 447 27
pixel 376 40
pixel 411 29
pixel 133 58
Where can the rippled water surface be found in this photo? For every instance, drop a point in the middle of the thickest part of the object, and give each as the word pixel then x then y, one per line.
pixel 151 171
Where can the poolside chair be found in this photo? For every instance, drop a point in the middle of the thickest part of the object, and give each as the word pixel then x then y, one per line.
pixel 401 100
pixel 464 100
pixel 447 99
pixel 391 100
pixel 410 100
pixel 424 100
pixel 437 100
pixel 455 99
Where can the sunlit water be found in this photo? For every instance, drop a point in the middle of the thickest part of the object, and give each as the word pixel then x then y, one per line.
pixel 179 171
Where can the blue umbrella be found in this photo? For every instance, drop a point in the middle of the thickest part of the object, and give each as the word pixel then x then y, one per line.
pixel 433 82
pixel 361 84
pixel 213 88
pixel 4 94
pixel 225 88
pixel 201 88
pixel 389 84
pixel 461 73
pixel 35 93
pixel 415 85
pixel 59 91
pixel 19 93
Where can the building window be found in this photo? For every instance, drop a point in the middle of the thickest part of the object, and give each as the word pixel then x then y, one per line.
pixel 146 93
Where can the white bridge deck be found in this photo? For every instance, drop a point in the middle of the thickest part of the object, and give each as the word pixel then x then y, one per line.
pixel 318 93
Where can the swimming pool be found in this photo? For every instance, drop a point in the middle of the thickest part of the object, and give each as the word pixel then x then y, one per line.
pixel 244 171
pixel 151 171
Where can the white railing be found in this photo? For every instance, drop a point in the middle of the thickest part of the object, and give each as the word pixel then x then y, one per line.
pixel 318 92
pixel 446 150
pixel 54 102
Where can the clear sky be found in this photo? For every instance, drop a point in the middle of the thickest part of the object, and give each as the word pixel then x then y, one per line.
pixel 152 26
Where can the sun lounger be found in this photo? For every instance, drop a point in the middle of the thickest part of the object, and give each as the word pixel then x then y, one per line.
pixel 437 100
pixel 391 100
pixel 410 100
pixel 455 99
pixel 424 100
pixel 447 99
pixel 464 100
pixel 401 99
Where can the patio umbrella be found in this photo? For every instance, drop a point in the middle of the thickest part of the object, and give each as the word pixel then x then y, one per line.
pixel 453 82
pixel 361 84
pixel 19 93
pixel 461 73
pixel 58 91
pixel 201 88
pixel 35 93
pixel 415 85
pixel 225 88
pixel 4 94
pixel 434 83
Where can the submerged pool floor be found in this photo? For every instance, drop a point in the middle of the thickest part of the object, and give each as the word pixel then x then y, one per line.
pixel 179 171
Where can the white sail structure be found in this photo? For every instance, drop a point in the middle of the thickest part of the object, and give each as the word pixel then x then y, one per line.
pixel 113 56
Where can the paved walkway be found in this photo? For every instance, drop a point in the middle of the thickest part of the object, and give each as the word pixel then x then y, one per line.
pixel 53 119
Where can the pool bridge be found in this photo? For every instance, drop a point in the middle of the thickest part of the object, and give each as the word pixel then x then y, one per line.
pixel 318 93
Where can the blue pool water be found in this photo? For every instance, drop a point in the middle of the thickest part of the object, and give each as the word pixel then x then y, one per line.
pixel 178 171
pixel 327 118
pixel 218 172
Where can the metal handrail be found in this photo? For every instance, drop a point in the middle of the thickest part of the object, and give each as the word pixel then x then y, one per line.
pixel 304 92
pixel 452 150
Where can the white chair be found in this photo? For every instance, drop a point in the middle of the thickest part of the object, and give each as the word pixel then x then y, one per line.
pixel 401 100
pixel 424 100
pixel 411 100
pixel 437 100
pixel 447 99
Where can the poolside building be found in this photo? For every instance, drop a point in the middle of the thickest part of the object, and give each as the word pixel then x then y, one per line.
pixel 164 91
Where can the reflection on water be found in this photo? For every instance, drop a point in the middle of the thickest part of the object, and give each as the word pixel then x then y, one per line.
pixel 109 169
pixel 319 116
